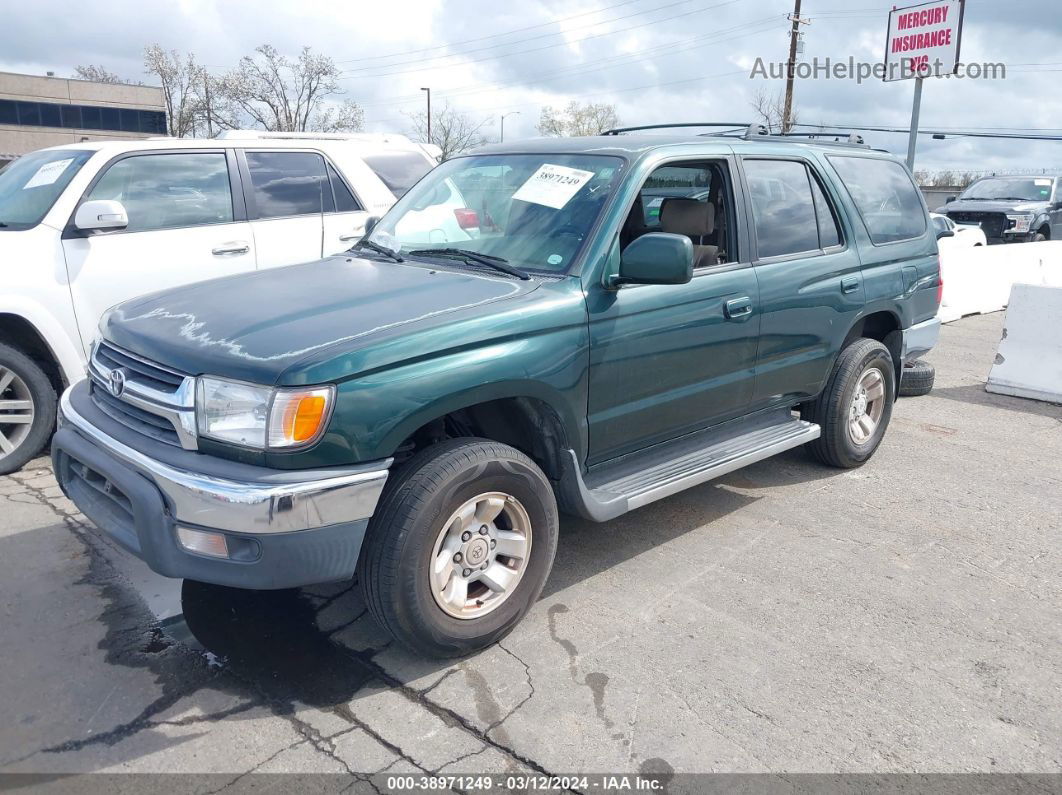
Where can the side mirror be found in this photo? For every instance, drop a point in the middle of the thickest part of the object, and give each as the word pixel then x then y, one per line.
pixel 370 224
pixel 944 233
pixel 950 199
pixel 656 258
pixel 101 214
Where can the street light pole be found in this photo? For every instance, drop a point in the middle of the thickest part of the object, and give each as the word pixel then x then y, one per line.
pixel 510 113
pixel 429 113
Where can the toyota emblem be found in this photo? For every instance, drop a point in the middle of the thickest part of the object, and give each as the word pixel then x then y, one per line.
pixel 117 383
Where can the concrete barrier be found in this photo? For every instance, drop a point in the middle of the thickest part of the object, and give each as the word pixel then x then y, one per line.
pixel 1029 361
pixel 979 280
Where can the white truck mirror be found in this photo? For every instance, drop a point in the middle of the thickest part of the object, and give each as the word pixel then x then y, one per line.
pixel 101 214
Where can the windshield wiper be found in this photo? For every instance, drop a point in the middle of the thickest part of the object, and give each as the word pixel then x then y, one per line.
pixel 1012 199
pixel 498 263
pixel 384 250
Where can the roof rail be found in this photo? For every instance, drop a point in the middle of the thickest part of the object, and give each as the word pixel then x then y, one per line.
pixel 741 125
pixel 270 135
pixel 751 132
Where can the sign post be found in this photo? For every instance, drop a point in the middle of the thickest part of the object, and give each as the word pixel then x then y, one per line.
pixel 923 41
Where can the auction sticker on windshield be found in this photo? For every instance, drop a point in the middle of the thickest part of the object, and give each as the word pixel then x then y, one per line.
pixel 552 186
pixel 48 173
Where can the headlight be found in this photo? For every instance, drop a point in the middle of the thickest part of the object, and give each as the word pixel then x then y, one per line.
pixel 261 417
pixel 1021 223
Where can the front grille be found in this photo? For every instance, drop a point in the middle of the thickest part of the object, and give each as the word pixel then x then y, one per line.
pixel 992 224
pixel 152 400
pixel 137 419
pixel 142 371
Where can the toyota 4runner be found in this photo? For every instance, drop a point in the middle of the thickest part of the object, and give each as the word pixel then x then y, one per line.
pixel 636 315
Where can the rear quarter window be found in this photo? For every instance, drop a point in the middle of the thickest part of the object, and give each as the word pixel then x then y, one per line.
pixel 885 196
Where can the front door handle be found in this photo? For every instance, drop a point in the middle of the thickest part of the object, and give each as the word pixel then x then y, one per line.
pixel 850 285
pixel 355 235
pixel 738 307
pixel 233 247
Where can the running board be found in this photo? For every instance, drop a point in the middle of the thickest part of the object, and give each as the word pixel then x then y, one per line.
pixel 636 480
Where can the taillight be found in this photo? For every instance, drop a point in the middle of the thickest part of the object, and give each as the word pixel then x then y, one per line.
pixel 466 218
pixel 940 280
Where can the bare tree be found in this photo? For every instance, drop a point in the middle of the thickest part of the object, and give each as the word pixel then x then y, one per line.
pixel 285 95
pixel 180 79
pixel 770 108
pixel 578 119
pixel 98 74
pixel 452 131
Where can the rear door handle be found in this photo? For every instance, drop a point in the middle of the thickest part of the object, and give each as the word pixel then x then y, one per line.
pixel 233 247
pixel 738 307
pixel 850 285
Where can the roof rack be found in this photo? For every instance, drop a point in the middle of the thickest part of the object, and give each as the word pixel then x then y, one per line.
pixel 739 125
pixel 754 132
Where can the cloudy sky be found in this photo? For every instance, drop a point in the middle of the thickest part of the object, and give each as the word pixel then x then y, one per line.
pixel 657 60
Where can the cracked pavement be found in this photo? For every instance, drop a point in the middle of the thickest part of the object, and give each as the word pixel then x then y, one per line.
pixel 900 617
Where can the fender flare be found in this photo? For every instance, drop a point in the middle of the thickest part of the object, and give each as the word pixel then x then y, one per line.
pixel 65 351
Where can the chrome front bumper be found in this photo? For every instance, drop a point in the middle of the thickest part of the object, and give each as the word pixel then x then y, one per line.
pixel 919 339
pixel 277 502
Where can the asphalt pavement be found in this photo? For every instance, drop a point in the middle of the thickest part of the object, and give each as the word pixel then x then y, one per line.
pixel 901 617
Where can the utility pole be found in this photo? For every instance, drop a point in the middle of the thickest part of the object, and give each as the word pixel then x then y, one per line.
pixel 429 113
pixel 794 36
pixel 206 94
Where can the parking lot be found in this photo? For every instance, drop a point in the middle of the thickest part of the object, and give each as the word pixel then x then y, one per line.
pixel 905 616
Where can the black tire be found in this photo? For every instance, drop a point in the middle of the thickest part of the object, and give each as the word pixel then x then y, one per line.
pixel 1039 237
pixel 41 393
pixel 916 379
pixel 830 410
pixel 393 571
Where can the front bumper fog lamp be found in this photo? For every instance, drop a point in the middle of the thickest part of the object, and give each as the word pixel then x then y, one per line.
pixel 202 542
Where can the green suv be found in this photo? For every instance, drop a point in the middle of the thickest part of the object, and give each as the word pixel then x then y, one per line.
pixel 610 320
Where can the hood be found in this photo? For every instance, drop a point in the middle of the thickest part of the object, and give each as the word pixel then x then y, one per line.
pixel 982 206
pixel 255 326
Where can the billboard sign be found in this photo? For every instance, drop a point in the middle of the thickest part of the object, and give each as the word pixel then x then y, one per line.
pixel 924 40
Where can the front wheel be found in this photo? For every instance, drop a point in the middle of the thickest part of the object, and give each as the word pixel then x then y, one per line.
pixel 460 547
pixel 855 407
pixel 27 409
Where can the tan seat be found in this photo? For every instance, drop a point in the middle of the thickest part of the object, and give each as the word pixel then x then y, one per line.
pixel 694 219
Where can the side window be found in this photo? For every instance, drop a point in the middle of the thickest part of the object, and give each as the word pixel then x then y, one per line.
pixel 783 207
pixel 829 229
pixel 885 196
pixel 169 190
pixel 345 201
pixel 289 183
pixel 689 198
pixel 398 170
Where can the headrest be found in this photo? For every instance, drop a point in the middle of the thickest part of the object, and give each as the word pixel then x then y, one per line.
pixel 687 217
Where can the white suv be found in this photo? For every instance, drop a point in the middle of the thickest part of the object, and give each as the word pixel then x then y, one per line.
pixel 85 226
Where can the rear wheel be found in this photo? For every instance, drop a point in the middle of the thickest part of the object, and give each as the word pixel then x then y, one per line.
pixel 27 409
pixel 855 407
pixel 460 547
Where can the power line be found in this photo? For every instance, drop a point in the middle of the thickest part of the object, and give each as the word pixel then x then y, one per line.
pixel 490 36
pixel 683 45
pixel 550 46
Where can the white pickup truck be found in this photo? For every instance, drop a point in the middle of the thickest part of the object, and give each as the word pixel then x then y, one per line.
pixel 85 226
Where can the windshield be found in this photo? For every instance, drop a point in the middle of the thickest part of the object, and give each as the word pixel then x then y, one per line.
pixel 1034 189
pixel 30 185
pixel 533 211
